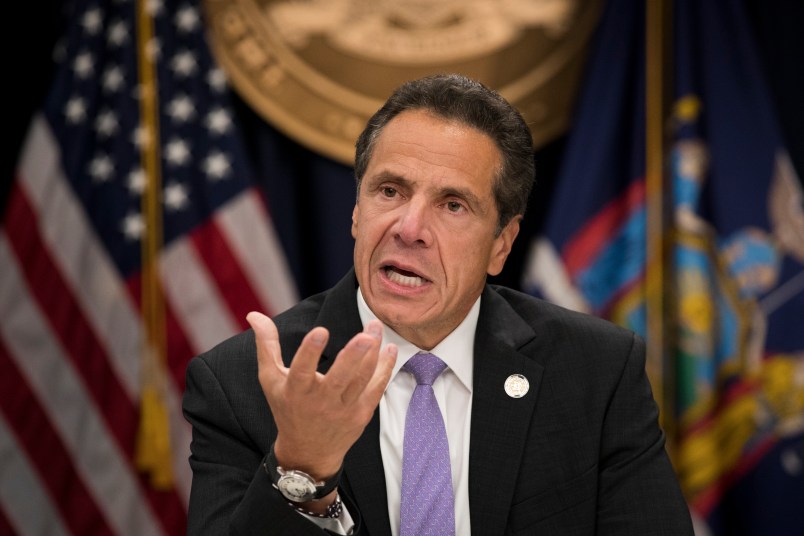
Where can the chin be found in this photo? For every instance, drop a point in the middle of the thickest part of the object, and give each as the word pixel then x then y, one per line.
pixel 406 320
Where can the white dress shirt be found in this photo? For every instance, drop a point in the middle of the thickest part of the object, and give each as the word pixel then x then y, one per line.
pixel 453 391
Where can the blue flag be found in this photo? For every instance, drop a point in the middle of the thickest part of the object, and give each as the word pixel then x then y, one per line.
pixel 736 301
pixel 591 256
pixel 739 284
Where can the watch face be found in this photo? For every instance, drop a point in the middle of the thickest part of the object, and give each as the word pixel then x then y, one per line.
pixel 296 487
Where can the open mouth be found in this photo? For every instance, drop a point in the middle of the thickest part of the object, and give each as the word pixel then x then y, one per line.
pixel 404 277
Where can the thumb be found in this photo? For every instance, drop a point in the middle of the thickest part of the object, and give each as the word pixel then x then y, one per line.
pixel 269 352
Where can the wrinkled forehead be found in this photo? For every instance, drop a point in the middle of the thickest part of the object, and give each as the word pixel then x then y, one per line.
pixel 418 142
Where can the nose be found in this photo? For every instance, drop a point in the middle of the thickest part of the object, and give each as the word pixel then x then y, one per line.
pixel 413 225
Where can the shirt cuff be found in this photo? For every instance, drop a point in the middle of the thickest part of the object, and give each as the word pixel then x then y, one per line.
pixel 343 524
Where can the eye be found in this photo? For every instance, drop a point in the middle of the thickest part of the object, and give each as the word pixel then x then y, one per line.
pixel 387 191
pixel 454 206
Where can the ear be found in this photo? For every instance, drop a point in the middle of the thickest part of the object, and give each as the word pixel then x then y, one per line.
pixel 355 215
pixel 502 246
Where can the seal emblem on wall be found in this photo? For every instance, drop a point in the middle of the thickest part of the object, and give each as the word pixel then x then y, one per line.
pixel 318 69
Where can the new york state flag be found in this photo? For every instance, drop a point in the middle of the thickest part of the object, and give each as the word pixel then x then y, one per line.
pixel 735 295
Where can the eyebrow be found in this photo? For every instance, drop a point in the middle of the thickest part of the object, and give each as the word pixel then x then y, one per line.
pixel 388 176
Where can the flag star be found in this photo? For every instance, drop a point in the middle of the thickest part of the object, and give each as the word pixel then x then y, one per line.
pixel 219 121
pixel 106 123
pixel 181 109
pixel 216 79
pixel 154 7
pixel 153 49
pixel 113 79
pixel 175 196
pixel 92 21
pixel 184 64
pixel 187 19
pixel 75 110
pixel 177 152
pixel 101 168
pixel 83 65
pixel 118 33
pixel 136 181
pixel 216 166
pixel 140 137
pixel 143 91
pixel 133 226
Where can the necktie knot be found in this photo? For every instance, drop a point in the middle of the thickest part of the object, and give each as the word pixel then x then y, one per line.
pixel 425 368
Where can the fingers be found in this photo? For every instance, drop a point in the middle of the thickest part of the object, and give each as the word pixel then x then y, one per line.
pixel 303 369
pixel 382 374
pixel 355 364
pixel 359 370
pixel 361 364
pixel 269 353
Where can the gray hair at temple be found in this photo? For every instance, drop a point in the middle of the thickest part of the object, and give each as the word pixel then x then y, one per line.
pixel 458 98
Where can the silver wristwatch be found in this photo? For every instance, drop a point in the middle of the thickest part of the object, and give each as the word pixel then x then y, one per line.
pixel 297 486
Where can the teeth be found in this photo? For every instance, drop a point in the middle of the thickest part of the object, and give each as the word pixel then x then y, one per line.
pixel 405 280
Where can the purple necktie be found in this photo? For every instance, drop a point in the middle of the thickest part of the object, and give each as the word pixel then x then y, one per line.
pixel 427 507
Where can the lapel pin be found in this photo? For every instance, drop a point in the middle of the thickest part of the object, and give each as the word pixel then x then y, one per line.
pixel 516 386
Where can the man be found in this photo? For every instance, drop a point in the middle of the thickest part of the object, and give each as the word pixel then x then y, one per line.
pixel 301 424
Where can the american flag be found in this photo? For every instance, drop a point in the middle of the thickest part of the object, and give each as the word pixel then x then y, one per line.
pixel 72 328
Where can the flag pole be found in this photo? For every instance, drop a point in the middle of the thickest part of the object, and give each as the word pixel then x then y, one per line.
pixel 658 26
pixel 153 454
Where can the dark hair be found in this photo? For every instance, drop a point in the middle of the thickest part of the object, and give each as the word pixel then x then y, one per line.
pixel 458 98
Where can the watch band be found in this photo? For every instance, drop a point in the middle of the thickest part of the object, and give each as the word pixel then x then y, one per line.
pixel 288 481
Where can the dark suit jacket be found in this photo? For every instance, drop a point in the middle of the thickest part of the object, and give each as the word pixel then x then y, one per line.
pixel 581 453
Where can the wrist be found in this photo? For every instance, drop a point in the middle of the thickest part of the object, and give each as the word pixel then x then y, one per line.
pixel 296 485
pixel 317 466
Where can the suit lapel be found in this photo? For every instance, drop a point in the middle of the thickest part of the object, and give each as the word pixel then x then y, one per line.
pixel 363 473
pixel 499 422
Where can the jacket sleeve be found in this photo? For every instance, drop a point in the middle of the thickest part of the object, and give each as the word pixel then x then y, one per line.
pixel 231 493
pixel 636 475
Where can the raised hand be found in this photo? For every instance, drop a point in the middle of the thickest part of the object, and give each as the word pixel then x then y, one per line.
pixel 320 416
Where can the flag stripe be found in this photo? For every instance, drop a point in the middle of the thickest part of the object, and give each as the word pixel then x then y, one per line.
pixel 266 267
pixel 104 469
pixel 622 259
pixel 190 290
pixel 180 434
pixel 26 505
pixel 229 278
pixel 596 234
pixel 69 237
pixel 47 452
pixel 5 524
pixel 56 301
pixel 546 273
pixel 6 528
pixel 178 346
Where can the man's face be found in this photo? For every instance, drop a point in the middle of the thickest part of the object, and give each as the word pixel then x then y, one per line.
pixel 424 225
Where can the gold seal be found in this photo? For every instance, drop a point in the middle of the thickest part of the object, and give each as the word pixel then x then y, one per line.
pixel 318 69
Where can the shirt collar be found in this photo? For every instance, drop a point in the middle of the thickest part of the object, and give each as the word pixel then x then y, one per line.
pixel 456 350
